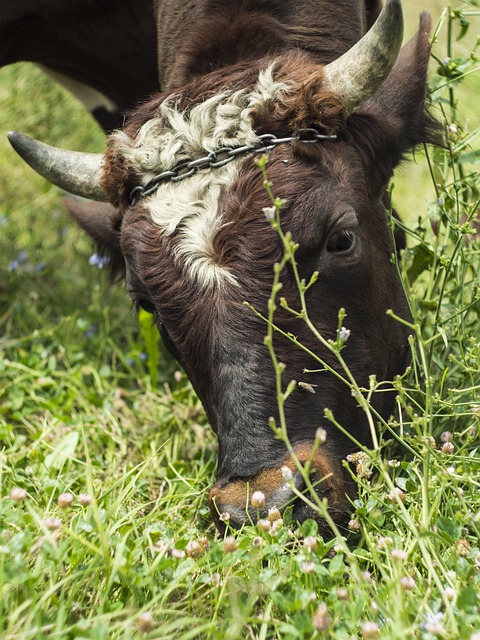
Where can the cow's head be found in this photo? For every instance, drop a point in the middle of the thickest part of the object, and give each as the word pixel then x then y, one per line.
pixel 195 250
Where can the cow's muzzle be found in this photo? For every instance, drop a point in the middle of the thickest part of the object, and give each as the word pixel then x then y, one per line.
pixel 283 487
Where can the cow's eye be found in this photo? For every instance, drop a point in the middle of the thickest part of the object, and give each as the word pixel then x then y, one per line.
pixel 342 241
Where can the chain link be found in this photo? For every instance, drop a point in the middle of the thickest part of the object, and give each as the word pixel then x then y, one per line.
pixel 221 157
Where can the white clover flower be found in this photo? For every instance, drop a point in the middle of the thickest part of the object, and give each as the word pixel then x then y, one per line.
pixel 257 499
pixel 229 545
pixel 65 500
pixel 407 583
pixel 144 622
pixel 287 473
pixel 321 619
pixel 398 555
pixel 370 630
pixel 84 499
pixel 18 494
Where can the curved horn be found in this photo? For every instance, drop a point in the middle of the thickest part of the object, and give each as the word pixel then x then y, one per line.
pixel 359 72
pixel 77 173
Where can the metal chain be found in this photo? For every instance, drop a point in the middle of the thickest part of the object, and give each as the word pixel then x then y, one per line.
pixel 221 157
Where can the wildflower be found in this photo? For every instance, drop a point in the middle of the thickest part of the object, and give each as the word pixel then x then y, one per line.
pixel 430 441
pixel 264 525
pixel 257 499
pixel 434 625
pixel 205 542
pixel 448 447
pixel 310 543
pixel 194 549
pixel 178 376
pixel 383 541
pixel 361 460
pixel 98 261
pixel 287 473
pixel 453 128
pixel 215 579
pixel 84 499
pixel 407 583
pixel 446 436
pixel 321 435
pixel 463 547
pixel 144 622
pixel 276 526
pixel 354 525
pixel 450 594
pixel 274 514
pixel 224 517
pixel 370 630
pixel 65 500
pixel 321 619
pixel 308 567
pixel 18 494
pixel 269 212
pixel 396 494
pixel 178 554
pixel 398 555
pixel 440 202
pixel 52 523
pixel 229 545
pixel 342 594
pixel 393 463
pixel 257 541
pixel 344 334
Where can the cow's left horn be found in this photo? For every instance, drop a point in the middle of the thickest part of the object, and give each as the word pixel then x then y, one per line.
pixel 77 173
pixel 359 72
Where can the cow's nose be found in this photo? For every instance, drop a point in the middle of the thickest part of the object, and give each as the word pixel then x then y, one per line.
pixel 230 500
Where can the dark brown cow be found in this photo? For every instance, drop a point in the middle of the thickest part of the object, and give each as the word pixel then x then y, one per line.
pixel 194 250
pixel 104 51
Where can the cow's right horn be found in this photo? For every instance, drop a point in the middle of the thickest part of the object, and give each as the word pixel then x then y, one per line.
pixel 77 173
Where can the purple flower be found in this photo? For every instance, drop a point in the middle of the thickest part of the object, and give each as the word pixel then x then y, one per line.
pixel 98 261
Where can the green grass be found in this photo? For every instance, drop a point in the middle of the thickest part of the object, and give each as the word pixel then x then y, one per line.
pixel 82 412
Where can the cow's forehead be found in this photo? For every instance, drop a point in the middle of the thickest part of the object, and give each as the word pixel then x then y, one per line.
pixel 180 133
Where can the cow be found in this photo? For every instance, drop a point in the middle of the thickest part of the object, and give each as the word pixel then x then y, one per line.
pixel 103 51
pixel 182 211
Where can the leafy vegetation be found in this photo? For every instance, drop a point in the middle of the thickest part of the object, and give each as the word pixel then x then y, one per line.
pixel 106 459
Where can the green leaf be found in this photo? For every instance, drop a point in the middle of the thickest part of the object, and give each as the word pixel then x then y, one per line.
pixel 63 451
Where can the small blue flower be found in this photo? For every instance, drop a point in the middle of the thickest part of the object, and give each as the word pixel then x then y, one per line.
pixel 343 334
pixel 91 331
pixel 3 220
pixel 13 266
pixel 98 261
pixel 143 357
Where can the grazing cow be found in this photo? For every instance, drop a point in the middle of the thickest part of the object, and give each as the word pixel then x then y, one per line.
pixel 335 111
pixel 103 51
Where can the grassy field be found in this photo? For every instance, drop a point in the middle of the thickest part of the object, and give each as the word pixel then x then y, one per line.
pixel 106 457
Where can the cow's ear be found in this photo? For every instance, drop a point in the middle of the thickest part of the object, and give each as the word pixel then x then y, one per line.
pixel 101 221
pixel 399 105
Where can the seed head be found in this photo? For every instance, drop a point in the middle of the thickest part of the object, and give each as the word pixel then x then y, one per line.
pixel 407 583
pixel 264 525
pixel 194 549
pixel 274 514
pixel 65 500
pixel 310 543
pixel 18 494
pixel 144 622
pixel 230 544
pixel 321 619
pixel 398 555
pixel 52 523
pixel 370 630
pixel 396 494
pixel 463 547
